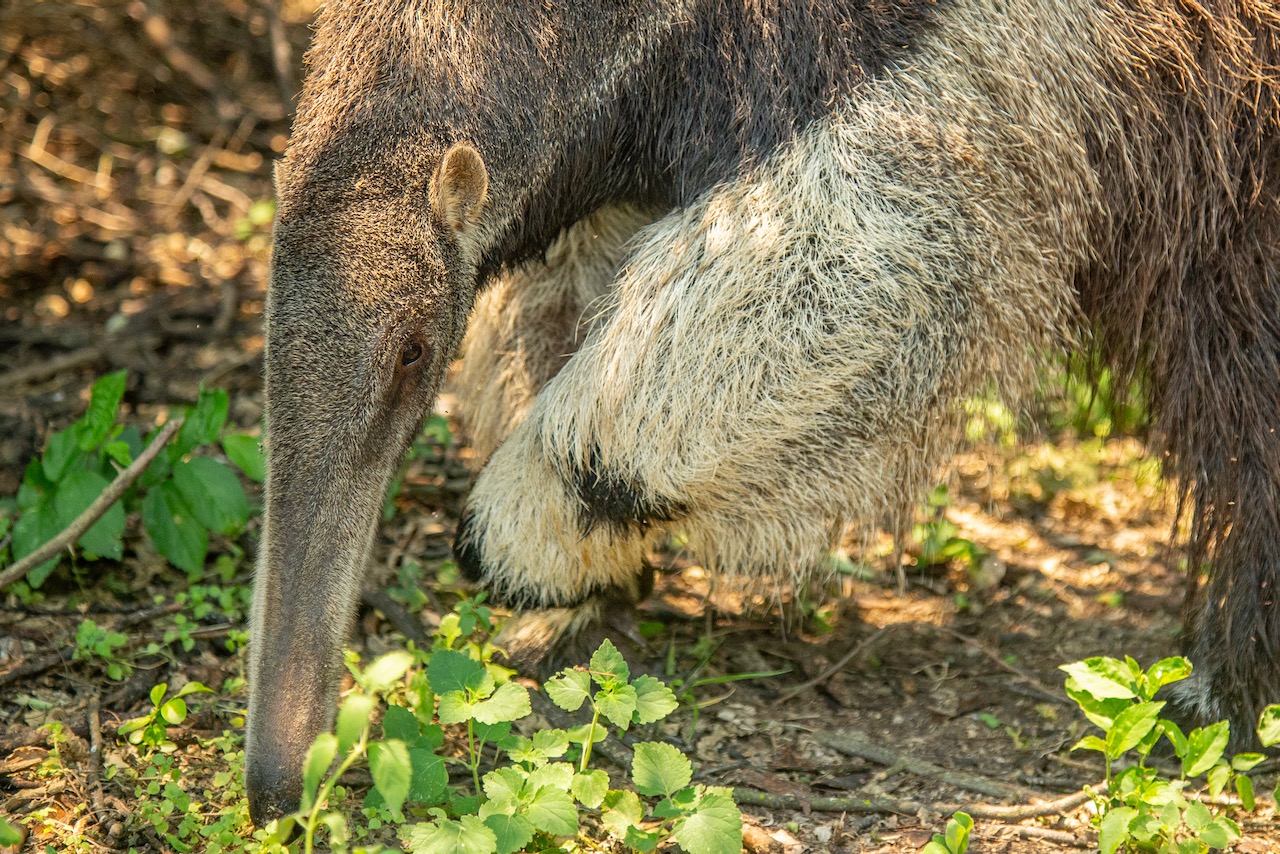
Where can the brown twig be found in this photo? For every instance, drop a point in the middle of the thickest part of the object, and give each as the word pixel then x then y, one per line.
pixel 859 745
pixel 905 806
pixel 33 373
pixel 95 759
pixel 1062 837
pixel 94 511
pixel 857 650
pixel 1030 678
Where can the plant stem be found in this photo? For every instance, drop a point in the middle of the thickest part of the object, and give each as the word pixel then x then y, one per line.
pixel 475 755
pixel 356 751
pixel 591 734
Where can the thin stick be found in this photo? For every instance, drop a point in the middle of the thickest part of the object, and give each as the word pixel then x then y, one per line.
pixel 859 745
pixel 95 759
pixel 94 511
pixel 1030 831
pixel 1027 676
pixel 903 806
pixel 857 650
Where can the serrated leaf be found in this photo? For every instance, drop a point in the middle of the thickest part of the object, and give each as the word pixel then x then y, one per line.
pixel 583 734
pixel 504 785
pixel 1205 747
pixel 714 827
pixel 78 490
pixel 509 703
pixel 491 732
pixel 453 708
pixel 104 399
pixel 551 810
pixel 453 671
pixel 590 787
pixel 659 769
pixel 60 450
pixel 569 690
pixel 204 422
pixel 1197 815
pixel 1269 726
pixel 319 758
pixel 1114 829
pixel 1130 727
pixel 213 493
pixel 468 835
pixel 352 719
pixel 430 777
pixel 173 530
pixel 246 453
pixel 511 832
pixel 654 700
pixel 1220 833
pixel 620 811
pixel 557 775
pixel 551 743
pixel 617 704
pixel 392 771
pixel 401 723
pixel 386 670
pixel 608 667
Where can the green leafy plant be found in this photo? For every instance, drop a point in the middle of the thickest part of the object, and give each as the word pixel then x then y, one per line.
pixel 956 838
pixel 1139 810
pixel 95 644
pixel 940 540
pixel 182 497
pixel 536 795
pixel 152 730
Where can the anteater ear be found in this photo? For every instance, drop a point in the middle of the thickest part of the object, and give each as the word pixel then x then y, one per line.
pixel 459 187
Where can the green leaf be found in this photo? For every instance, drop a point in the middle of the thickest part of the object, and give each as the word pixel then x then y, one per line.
pixel 569 690
pixel 715 826
pixel 938 845
pixel 1101 713
pixel 551 742
pixel 1175 736
pixel 104 399
pixel 454 708
pixel 590 787
pixel 608 667
pixel 621 811
pixel 454 671
pixel 400 723
pixel 78 490
pixel 1246 761
pixel 61 449
pixel 558 775
pixel 173 530
pixel 1114 829
pixel 32 530
pixel 392 771
pixel 509 703
pixel 430 777
pixel 246 453
pixel 194 688
pixel 352 719
pixel 551 810
pixel 1197 815
pixel 203 423
pixel 386 670
pixel 617 703
pixel 959 827
pixel 659 769
pixel 512 832
pixel 1166 670
pixel 319 758
pixel 504 785
pixel 1205 747
pixel 1130 727
pixel 1090 742
pixel 491 732
pixel 583 734
pixel 157 692
pixel 654 700
pixel 1269 726
pixel 10 835
pixel 1217 779
pixel 1244 788
pixel 213 493
pixel 1220 833
pixel 1101 678
pixel 174 712
pixel 468 835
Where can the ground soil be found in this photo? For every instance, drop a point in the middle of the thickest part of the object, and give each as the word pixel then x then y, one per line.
pixel 136 141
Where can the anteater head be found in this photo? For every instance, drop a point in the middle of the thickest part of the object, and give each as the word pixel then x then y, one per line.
pixel 373 273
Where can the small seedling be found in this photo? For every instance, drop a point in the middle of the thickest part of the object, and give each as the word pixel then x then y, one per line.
pixel 152 730
pixel 956 839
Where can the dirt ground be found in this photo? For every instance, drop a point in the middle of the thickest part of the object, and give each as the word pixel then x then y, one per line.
pixel 135 155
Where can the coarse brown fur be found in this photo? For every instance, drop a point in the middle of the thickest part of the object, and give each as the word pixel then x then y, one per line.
pixel 742 266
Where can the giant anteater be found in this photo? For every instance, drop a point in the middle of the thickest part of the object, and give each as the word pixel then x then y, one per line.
pixel 732 265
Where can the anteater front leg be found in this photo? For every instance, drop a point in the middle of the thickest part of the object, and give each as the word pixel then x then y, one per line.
pixel 780 358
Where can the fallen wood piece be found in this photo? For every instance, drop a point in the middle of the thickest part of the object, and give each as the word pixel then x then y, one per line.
pixel 905 806
pixel 94 511
pixel 858 744
pixel 1062 837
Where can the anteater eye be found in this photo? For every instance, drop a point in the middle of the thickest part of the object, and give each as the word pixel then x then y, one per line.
pixel 411 353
